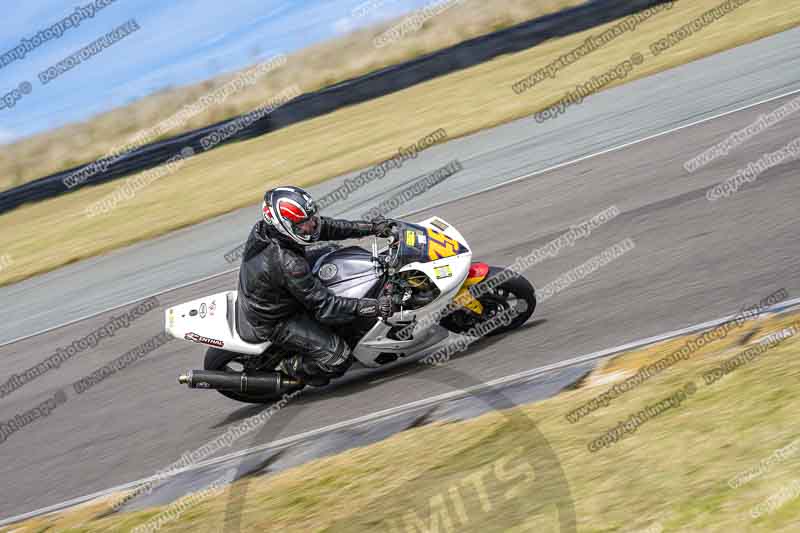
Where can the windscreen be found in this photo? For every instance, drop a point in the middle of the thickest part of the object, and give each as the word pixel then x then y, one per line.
pixel 421 244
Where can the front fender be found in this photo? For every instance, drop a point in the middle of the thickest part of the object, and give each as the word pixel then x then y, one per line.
pixel 477 273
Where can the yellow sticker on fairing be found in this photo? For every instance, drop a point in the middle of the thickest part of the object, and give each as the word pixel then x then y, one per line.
pixel 443 272
pixel 410 240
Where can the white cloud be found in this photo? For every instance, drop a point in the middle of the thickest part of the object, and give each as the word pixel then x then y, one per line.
pixel 343 25
pixel 177 45
pixel 6 136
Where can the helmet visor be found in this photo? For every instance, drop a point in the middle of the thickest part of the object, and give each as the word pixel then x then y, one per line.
pixel 309 228
pixel 298 218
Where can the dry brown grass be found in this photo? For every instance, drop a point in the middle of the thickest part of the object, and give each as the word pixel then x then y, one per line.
pixel 310 69
pixel 45 235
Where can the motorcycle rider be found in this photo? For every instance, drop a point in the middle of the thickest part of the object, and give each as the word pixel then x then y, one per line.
pixel 281 301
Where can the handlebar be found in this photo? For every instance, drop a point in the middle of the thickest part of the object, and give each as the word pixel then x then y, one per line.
pixel 387 260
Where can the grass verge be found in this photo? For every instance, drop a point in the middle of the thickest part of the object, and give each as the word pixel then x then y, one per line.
pixel 673 473
pixel 311 68
pixel 43 236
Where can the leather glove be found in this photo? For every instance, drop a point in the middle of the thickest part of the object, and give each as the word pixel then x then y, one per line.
pixel 367 307
pixel 382 307
pixel 382 227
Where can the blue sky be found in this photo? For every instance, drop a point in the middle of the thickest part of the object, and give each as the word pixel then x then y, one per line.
pixel 180 42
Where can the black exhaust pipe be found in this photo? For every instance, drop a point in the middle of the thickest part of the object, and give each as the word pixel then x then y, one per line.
pixel 261 383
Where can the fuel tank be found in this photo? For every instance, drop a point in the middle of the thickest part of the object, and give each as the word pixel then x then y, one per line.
pixel 349 272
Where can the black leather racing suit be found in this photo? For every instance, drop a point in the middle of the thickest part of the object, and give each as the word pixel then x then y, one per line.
pixel 280 300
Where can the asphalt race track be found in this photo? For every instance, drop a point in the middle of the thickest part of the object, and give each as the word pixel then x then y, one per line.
pixel 645 107
pixel 694 260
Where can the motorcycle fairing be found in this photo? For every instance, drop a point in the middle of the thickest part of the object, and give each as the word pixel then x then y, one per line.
pixel 448 272
pixel 210 321
pixel 423 243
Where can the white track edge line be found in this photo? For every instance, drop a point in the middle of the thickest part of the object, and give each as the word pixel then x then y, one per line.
pixel 608 150
pixel 393 411
pixel 469 195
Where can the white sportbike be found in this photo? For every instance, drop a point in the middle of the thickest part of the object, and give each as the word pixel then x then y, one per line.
pixel 428 270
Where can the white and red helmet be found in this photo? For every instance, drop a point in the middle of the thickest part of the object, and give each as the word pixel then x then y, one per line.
pixel 293 212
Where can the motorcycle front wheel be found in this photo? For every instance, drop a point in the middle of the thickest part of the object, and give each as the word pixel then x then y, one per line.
pixel 516 293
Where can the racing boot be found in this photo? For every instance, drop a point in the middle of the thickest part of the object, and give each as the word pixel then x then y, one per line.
pixel 294 367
